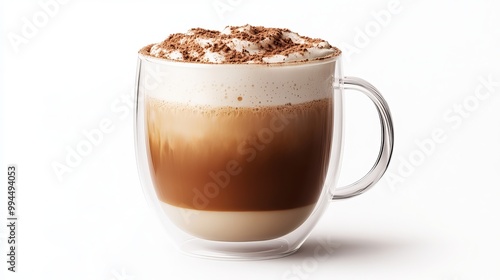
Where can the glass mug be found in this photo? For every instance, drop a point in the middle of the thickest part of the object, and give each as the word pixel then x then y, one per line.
pixel 241 160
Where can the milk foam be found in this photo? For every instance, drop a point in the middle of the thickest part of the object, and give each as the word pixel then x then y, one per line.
pixel 236 85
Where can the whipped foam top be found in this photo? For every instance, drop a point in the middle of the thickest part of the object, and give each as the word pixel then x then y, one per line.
pixel 241 44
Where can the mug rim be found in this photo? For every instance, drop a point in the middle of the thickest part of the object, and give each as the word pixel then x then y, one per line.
pixel 163 61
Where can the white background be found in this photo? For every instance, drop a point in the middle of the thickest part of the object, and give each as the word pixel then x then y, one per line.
pixel 433 216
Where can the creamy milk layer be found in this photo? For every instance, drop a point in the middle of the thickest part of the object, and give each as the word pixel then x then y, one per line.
pixel 234 85
pixel 241 44
pixel 236 226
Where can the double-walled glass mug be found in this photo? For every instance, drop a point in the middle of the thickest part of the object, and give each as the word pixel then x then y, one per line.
pixel 241 160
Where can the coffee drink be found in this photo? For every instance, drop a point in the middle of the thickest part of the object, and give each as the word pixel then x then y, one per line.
pixel 239 130
pixel 241 160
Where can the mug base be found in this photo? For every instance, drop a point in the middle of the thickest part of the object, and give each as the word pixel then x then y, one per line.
pixel 242 251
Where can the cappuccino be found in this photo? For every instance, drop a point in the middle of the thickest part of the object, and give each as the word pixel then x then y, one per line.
pixel 239 130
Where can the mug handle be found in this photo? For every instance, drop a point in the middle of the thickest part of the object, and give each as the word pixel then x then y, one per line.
pixel 386 146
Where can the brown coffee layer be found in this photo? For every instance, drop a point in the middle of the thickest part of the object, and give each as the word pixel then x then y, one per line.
pixel 239 159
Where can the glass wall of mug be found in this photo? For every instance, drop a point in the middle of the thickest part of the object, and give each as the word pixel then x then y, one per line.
pixel 238 160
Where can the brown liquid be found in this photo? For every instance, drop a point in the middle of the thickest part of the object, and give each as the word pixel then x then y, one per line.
pixel 239 159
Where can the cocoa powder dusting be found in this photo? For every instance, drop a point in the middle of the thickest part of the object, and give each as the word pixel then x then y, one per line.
pixel 244 44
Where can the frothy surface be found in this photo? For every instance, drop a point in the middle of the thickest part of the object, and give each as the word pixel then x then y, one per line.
pixel 241 44
pixel 236 85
